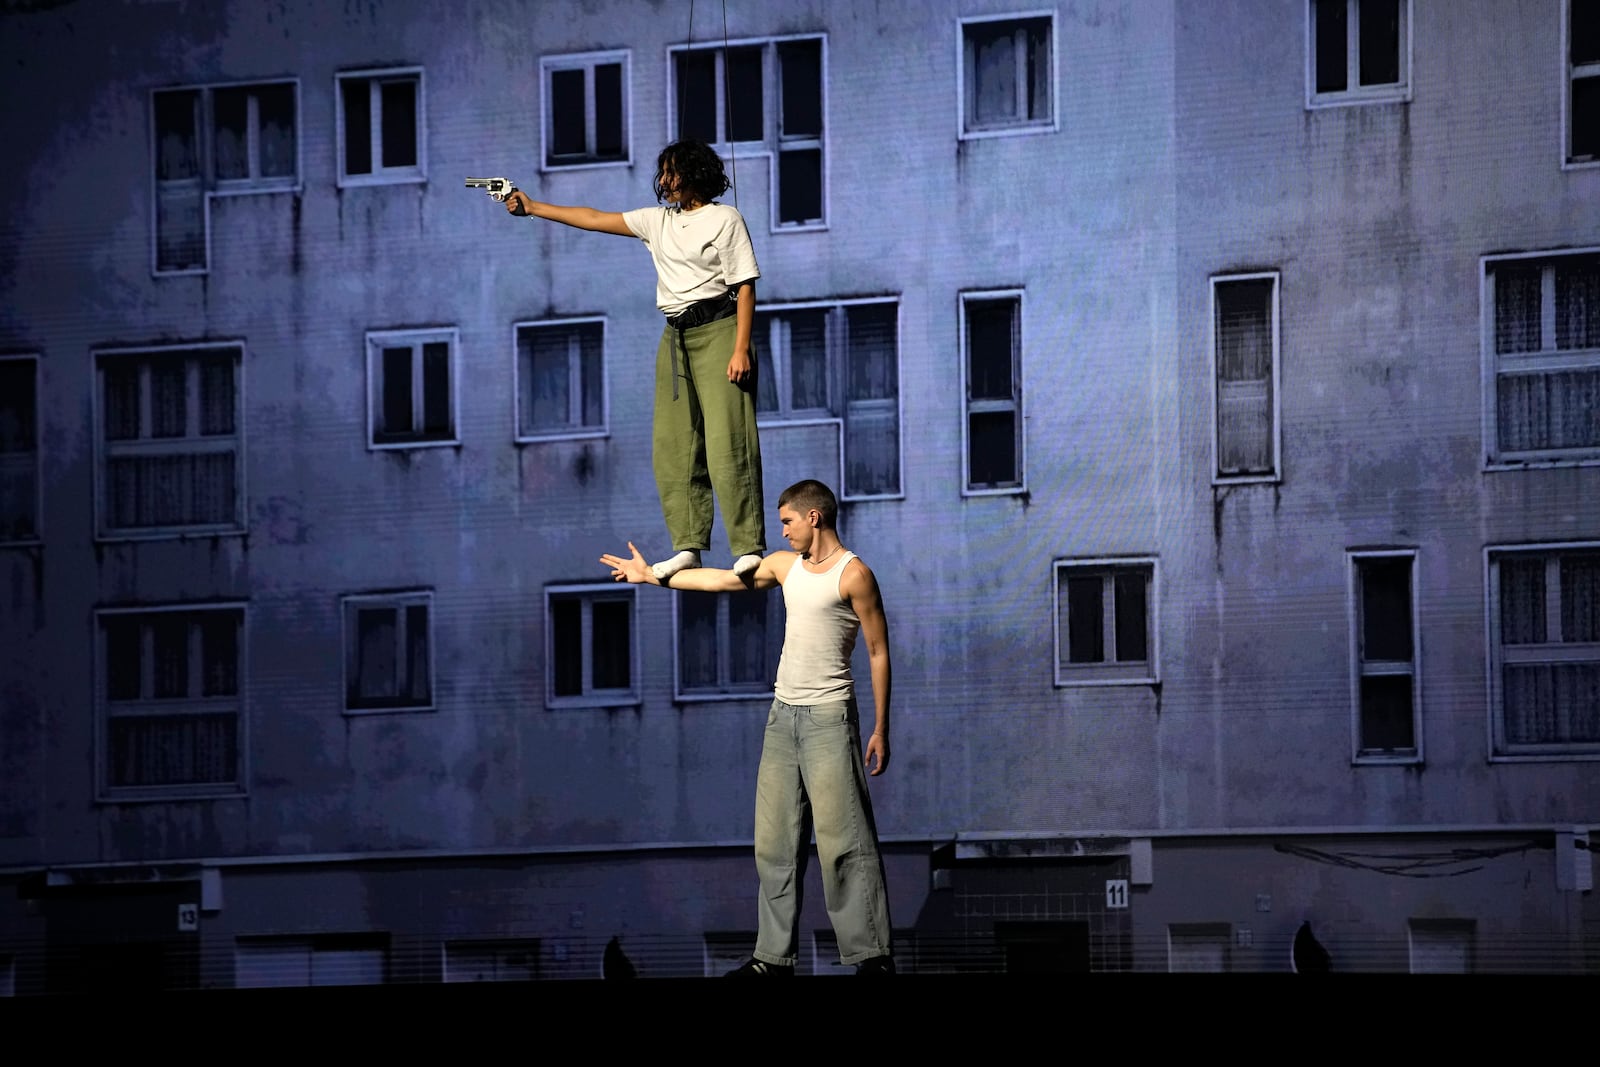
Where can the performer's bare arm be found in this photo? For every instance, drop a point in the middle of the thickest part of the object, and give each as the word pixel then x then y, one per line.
pixel 584 218
pixel 859 586
pixel 740 366
pixel 633 569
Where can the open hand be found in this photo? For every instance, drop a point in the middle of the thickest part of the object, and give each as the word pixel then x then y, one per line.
pixel 635 570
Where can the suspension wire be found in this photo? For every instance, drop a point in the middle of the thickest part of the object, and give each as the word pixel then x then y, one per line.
pixel 727 97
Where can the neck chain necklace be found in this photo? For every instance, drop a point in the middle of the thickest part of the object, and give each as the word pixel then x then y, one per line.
pixel 818 562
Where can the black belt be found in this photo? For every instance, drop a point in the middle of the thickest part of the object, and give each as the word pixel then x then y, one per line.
pixel 698 314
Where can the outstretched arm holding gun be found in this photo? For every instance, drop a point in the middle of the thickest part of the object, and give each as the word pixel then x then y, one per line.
pixel 517 202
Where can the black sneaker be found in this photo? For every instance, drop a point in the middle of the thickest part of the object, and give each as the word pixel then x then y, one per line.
pixel 754 968
pixel 876 965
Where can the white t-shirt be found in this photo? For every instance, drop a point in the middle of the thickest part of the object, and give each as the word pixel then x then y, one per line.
pixel 698 254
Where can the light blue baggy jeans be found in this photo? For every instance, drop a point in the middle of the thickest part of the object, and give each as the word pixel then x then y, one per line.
pixel 811 776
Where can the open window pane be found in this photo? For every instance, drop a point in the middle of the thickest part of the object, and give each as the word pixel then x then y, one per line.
pixel 567 109
pixel 800 67
pixel 697 95
pixel 745 107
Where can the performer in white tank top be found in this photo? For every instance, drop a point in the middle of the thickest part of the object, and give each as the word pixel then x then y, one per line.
pixel 814 768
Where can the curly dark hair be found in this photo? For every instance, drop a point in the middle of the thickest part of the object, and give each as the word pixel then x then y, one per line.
pixel 698 167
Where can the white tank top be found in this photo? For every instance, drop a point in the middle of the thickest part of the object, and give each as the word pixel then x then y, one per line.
pixel 819 634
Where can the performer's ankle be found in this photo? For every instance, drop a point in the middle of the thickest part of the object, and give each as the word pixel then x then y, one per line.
pixel 746 564
pixel 688 559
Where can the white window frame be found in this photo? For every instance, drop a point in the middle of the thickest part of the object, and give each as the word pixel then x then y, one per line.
pixel 1354 94
pixel 490 960
pixel 1218 477
pixel 105 449
pixel 529 435
pixel 1180 935
pixel 971 407
pixel 1423 934
pixel 325 958
pixel 1547 359
pixel 588 593
pixel 1109 672
pixel 1361 668
pixel 150 706
pixel 416 339
pixel 586 62
pixel 965 131
pixel 350 607
pixel 773 141
pixel 381 175
pixel 1570 74
pixel 36 536
pixel 1500 750
pixel 208 185
pixel 837 388
pixel 724 689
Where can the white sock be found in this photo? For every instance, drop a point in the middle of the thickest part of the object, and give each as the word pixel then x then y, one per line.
pixel 746 564
pixel 688 559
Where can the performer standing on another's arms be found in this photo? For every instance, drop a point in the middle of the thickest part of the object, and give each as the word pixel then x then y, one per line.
pixel 812 766
pixel 705 413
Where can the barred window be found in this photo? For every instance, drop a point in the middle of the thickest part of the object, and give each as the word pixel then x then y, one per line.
pixel 169 437
pixel 171 688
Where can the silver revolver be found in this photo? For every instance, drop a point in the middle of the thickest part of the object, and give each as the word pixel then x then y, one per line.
pixel 497 188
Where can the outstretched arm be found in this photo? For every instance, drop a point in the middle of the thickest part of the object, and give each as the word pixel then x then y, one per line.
pixel 584 218
pixel 635 570
pixel 861 588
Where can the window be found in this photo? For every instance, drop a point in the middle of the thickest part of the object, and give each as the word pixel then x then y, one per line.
pixel 171 698
pixel 991 369
pixel 1583 75
pixel 1358 51
pixel 1544 650
pixel 585 109
pixel 213 140
pixel 1105 622
pixel 1244 348
pixel 169 438
pixel 837 362
pixel 1542 344
pixel 728 643
pixel 761 97
pixel 411 398
pixel 329 959
pixel 1199 947
pixel 590 654
pixel 19 449
pixel 1386 693
pixel 491 961
pixel 1008 81
pixel 388 652
pixel 381 124
pixel 561 381
pixel 1442 946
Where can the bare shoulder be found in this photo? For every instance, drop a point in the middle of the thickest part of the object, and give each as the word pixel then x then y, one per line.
pixel 777 565
pixel 858 579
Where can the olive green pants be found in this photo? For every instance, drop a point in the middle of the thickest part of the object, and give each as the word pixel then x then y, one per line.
pixel 705 440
